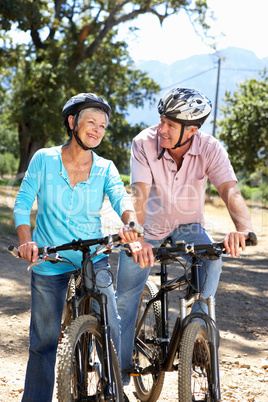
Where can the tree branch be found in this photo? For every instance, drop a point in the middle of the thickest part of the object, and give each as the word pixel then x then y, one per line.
pixel 111 21
pixel 116 17
pixel 58 7
pixel 36 39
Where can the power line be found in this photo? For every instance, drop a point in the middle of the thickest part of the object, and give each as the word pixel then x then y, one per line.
pixel 205 71
pixel 187 79
pixel 240 69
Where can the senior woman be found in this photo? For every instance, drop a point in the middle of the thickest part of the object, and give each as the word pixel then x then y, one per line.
pixel 70 182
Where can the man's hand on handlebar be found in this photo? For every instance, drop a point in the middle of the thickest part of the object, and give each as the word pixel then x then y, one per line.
pixel 142 253
pixel 29 251
pixel 233 241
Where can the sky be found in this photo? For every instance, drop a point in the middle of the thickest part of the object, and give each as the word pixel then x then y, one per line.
pixel 239 23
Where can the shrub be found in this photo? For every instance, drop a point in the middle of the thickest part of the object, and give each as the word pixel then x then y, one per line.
pixel 8 164
pixel 125 179
pixel 255 194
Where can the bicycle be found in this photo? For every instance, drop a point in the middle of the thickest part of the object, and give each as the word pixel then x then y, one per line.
pixel 192 348
pixel 88 367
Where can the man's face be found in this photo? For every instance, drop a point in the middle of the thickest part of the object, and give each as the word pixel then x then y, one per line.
pixel 169 132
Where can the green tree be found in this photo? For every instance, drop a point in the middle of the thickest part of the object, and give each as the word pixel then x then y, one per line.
pixel 244 128
pixel 8 139
pixel 73 48
pixel 8 164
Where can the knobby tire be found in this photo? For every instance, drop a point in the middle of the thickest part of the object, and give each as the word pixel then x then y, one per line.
pixel 194 370
pixel 84 381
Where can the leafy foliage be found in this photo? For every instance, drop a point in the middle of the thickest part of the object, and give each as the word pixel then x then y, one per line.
pixel 72 48
pixel 244 129
pixel 8 164
pixel 125 179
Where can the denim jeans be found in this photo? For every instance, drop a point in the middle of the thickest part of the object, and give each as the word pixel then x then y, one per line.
pixel 131 280
pixel 48 297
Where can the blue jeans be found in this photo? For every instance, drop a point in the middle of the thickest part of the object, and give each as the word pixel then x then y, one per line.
pixel 48 297
pixel 131 280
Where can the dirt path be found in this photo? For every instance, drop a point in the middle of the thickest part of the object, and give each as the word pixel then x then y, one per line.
pixel 242 318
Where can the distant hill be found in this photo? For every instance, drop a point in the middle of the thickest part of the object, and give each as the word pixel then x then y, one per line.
pixel 199 72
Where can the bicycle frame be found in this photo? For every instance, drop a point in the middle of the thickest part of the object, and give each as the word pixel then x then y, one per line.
pixel 170 346
pixel 77 301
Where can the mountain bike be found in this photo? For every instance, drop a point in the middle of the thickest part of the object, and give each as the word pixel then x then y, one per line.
pixel 88 367
pixel 192 348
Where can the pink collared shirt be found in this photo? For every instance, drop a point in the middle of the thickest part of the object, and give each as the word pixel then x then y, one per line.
pixel 177 197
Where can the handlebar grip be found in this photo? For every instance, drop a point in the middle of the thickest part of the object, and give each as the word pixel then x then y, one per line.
pixel 116 238
pixel 136 227
pixel 252 239
pixel 14 251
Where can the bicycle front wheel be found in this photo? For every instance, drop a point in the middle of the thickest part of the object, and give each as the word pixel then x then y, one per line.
pixel 149 386
pixel 80 364
pixel 194 369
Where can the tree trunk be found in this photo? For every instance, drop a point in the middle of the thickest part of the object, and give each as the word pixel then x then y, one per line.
pixel 28 146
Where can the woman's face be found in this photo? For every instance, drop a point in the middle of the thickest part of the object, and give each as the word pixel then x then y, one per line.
pixel 90 127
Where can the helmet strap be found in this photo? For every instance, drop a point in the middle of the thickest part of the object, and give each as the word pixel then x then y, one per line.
pixel 179 144
pixel 161 154
pixel 181 135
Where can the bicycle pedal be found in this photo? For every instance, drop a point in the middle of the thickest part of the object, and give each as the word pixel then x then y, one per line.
pixel 134 374
pixel 133 371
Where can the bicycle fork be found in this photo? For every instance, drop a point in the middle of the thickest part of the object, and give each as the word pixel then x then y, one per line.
pixel 110 392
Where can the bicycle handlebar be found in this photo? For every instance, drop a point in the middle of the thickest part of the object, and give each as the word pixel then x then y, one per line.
pixel 180 246
pixel 74 245
pixel 210 249
pixel 79 244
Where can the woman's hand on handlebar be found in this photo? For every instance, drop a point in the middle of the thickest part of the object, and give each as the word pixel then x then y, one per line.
pixel 29 251
pixel 127 234
pixel 142 253
pixel 233 241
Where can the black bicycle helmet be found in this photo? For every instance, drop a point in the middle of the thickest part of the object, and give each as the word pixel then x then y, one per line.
pixel 79 102
pixel 185 106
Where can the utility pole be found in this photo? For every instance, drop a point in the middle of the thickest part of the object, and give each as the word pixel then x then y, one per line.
pixel 215 116
pixel 216 97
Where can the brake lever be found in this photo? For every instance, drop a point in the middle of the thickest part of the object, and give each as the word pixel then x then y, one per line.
pixel 124 247
pixel 53 258
pixel 106 248
pixel 34 264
